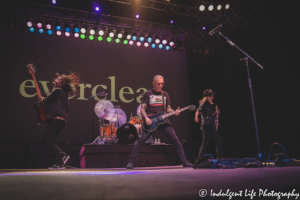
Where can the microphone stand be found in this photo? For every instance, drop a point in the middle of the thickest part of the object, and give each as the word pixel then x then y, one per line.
pixel 250 87
pixel 93 115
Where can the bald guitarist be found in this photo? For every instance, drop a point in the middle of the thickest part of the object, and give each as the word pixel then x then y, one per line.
pixel 153 101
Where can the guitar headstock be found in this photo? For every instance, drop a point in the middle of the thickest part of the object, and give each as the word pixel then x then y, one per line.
pixel 192 107
pixel 31 68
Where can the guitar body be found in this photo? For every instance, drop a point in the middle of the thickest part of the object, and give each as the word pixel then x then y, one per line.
pixel 41 113
pixel 156 121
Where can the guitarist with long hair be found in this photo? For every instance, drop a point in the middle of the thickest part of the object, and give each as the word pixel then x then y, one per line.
pixel 208 115
pixel 57 109
pixel 154 101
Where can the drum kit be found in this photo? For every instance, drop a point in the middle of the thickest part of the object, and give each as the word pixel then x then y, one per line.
pixel 114 127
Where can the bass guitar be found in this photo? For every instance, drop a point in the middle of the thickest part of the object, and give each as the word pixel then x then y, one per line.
pixel 217 118
pixel 40 108
pixel 160 119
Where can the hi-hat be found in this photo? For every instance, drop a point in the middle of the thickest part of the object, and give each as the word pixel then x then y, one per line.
pixel 138 111
pixel 104 109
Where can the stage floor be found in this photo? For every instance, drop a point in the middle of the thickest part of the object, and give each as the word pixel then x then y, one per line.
pixel 173 182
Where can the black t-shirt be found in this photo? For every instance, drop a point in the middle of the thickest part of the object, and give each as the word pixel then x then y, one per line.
pixel 154 102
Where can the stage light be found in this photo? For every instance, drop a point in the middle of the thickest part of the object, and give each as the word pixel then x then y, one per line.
pixel 111 33
pixel 39 25
pixel 76 35
pixel 49 32
pixel 31 29
pixel 153 45
pixel 164 41
pixel 58 33
pixel 227 6
pixel 138 43
pixel 203 28
pixel 119 34
pixel 100 38
pixel 83 30
pixel 41 30
pixel 67 34
pixel 160 46
pixel 117 40
pixel 48 25
pixel 131 42
pixel 108 39
pixel 171 43
pixel 76 28
pixel 57 26
pixel 146 44
pixel 168 47
pixel 142 38
pixel 137 16
pixel 149 38
pixel 97 8
pixel 92 32
pixel 210 7
pixel 219 7
pixel 172 21
pixel 91 37
pixel 67 27
pixel 101 32
pixel 29 24
pixel 125 42
pixel 134 37
pixel 82 36
pixel 53 1
pixel 202 7
pixel 157 40
pixel 128 35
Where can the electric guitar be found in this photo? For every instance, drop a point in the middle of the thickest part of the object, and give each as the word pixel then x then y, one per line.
pixel 40 109
pixel 217 118
pixel 160 119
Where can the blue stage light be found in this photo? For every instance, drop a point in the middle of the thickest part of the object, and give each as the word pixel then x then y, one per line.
pixel 76 30
pixel 160 46
pixel 31 29
pixel 168 47
pixel 153 45
pixel 49 32
pixel 58 27
pixel 134 38
pixel 149 39
pixel 142 38
pixel 67 29
pixel 41 30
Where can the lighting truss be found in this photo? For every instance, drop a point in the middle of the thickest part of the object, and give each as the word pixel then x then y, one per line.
pixel 92 19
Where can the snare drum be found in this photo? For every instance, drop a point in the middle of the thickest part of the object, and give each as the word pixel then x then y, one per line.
pixel 134 120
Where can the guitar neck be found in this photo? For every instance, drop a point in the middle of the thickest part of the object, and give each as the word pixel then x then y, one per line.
pixel 173 113
pixel 36 86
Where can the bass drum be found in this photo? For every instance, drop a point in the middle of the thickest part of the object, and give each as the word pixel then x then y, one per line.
pixel 127 134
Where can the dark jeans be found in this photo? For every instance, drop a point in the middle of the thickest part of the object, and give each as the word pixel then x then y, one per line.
pixel 209 132
pixel 52 131
pixel 170 133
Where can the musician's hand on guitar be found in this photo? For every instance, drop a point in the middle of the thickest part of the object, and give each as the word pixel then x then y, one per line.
pixel 196 119
pixel 177 111
pixel 40 99
pixel 148 121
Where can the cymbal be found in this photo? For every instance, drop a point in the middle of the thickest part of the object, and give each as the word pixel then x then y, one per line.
pixel 119 116
pixel 104 109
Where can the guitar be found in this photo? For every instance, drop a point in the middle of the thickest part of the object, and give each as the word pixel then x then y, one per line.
pixel 217 118
pixel 160 119
pixel 40 109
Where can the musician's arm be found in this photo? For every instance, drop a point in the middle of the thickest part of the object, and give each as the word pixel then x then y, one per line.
pixel 169 109
pixel 144 114
pixel 48 100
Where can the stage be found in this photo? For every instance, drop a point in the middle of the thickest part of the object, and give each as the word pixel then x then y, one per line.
pixel 173 182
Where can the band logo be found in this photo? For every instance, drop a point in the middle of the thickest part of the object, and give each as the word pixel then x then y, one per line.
pixel 125 94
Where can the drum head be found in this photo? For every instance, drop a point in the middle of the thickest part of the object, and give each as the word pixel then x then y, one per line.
pixel 127 134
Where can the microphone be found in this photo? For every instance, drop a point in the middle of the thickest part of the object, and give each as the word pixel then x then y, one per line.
pixel 215 30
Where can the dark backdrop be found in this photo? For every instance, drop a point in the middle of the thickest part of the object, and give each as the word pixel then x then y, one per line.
pixel 98 63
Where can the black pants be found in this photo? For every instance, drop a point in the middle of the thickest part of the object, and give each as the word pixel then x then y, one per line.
pixel 52 131
pixel 209 132
pixel 170 133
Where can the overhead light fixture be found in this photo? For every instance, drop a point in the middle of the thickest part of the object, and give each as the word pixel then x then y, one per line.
pixel 227 6
pixel 211 7
pixel 119 33
pixel 219 7
pixel 202 7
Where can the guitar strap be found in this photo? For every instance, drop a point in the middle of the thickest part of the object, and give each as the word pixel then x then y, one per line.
pixel 163 99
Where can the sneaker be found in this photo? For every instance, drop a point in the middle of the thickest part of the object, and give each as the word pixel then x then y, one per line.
pixel 65 159
pixel 57 167
pixel 129 165
pixel 187 164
